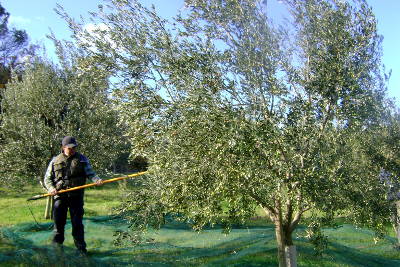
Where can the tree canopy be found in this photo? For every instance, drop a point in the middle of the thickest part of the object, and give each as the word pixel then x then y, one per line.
pixel 14 46
pixel 49 102
pixel 234 113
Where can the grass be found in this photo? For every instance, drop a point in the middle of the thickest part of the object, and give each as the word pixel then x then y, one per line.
pixel 24 243
pixel 14 209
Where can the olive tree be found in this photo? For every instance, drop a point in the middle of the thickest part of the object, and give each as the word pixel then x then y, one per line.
pixel 235 114
pixel 383 149
pixel 14 47
pixel 50 102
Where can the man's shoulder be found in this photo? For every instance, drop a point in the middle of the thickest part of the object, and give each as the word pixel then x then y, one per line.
pixel 57 158
pixel 82 158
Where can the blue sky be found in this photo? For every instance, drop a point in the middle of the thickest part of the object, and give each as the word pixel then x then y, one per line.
pixel 38 17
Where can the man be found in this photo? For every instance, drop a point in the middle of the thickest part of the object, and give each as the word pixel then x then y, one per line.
pixel 69 169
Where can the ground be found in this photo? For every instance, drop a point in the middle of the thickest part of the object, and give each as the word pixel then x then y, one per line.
pixel 24 242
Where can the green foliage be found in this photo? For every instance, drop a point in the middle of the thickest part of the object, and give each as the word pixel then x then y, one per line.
pixel 233 113
pixel 14 47
pixel 385 151
pixel 341 57
pixel 49 103
pixel 141 209
pixel 317 238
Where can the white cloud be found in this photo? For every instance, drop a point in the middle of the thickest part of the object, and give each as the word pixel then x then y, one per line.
pixel 99 31
pixel 91 27
pixel 40 18
pixel 19 21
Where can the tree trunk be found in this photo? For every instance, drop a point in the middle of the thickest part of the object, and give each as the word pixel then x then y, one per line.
pixel 286 249
pixel 396 223
pixel 291 256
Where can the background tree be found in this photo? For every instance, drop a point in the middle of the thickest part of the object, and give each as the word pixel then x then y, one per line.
pixel 14 47
pixel 53 101
pixel 383 149
pixel 14 50
pixel 234 114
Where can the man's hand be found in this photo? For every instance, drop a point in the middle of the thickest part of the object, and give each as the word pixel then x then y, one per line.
pixel 53 192
pixel 99 182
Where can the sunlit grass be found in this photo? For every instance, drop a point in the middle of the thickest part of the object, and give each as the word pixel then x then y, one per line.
pixel 24 244
pixel 15 209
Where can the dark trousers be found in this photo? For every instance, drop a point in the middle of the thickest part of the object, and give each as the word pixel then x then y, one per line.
pixel 75 205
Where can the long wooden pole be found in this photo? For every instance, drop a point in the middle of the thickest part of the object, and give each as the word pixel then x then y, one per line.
pixel 87 185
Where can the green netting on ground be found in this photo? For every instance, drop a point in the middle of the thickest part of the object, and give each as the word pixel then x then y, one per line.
pixel 177 245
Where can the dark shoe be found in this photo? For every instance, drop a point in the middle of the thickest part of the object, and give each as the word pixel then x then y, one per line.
pixel 57 246
pixel 82 252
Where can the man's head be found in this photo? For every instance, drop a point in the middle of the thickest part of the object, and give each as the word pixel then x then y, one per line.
pixel 69 145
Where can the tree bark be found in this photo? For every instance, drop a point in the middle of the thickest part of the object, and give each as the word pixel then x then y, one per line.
pixel 291 256
pixel 396 223
pixel 286 249
pixel 284 227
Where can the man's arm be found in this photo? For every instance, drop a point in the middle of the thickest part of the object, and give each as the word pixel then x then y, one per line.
pixel 49 179
pixel 90 172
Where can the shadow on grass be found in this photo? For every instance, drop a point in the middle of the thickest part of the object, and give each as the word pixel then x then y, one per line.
pixel 177 245
pixel 354 257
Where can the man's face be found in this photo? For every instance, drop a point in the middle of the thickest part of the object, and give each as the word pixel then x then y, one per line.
pixel 69 151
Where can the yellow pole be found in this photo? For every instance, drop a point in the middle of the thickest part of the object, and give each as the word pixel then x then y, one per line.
pixel 87 185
